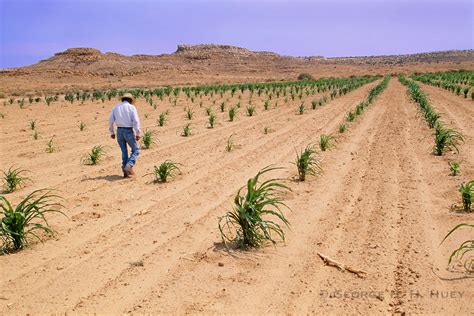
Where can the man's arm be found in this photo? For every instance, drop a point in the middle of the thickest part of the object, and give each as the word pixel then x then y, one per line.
pixel 111 123
pixel 136 122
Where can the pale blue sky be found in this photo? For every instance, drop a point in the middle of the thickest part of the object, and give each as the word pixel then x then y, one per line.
pixel 31 30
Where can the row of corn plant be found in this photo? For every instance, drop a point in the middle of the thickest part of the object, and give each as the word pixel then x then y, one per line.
pixel 445 138
pixel 458 82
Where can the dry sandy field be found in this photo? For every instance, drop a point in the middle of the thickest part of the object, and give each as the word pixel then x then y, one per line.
pixel 382 204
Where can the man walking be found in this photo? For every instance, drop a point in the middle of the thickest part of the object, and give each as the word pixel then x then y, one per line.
pixel 125 116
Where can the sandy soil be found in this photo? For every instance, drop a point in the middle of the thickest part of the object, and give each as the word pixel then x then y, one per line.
pixel 381 205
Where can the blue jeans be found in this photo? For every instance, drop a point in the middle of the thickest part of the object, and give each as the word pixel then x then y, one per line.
pixel 125 136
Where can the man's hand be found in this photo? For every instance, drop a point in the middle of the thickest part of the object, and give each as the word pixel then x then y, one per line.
pixel 112 136
pixel 137 138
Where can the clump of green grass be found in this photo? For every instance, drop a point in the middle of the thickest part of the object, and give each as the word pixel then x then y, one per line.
pixel 165 170
pixel 248 225
pixel 232 113
pixel 20 223
pixel 454 167
pixel 307 163
pixel 161 119
pixel 94 156
pixel 301 108
pixel 342 128
pixel 82 126
pixel 186 130
pixel 32 125
pixel 467 195
pixel 325 142
pixel 50 146
pixel 250 110
pixel 148 139
pixel 460 253
pixel 446 139
pixel 13 179
pixel 189 114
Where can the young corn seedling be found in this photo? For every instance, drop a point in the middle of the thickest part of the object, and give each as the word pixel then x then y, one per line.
pixel 13 179
pixel 314 104
pixel 467 195
pixel 82 126
pixel 250 110
pixel 35 135
pixel 455 168
pixel 232 113
pixel 186 130
pixel 350 116
pixel 465 247
pixel 211 120
pixel 230 144
pixel 325 142
pixel 32 125
pixel 222 106
pixel 248 224
pixel 50 146
pixel 446 139
pixel 148 139
pixel 342 128
pixel 167 169
pixel 161 119
pixel 20 223
pixel 266 104
pixel 208 110
pixel 94 156
pixel 189 114
pixel 307 163
pixel 301 108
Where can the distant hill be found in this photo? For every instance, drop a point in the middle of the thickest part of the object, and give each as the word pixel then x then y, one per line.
pixel 81 68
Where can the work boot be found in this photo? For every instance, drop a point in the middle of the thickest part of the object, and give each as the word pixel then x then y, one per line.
pixel 128 170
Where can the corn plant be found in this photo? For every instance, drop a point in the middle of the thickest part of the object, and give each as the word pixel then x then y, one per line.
pixel 446 139
pixel 35 135
pixel 465 247
pixel 454 167
pixel 467 194
pixel 266 104
pixel 211 120
pixel 222 106
pixel 189 114
pixel 50 146
pixel 186 130
pixel 325 142
pixel 208 110
pixel 232 113
pixel 82 126
pixel 250 110
pixel 248 224
pixel 13 179
pixel 20 223
pixel 161 119
pixel 165 170
pixel 230 144
pixel 301 108
pixel 350 116
pixel 148 139
pixel 94 156
pixel 307 163
pixel 32 124
pixel 342 128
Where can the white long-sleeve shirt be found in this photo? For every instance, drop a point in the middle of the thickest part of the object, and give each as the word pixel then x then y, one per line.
pixel 124 114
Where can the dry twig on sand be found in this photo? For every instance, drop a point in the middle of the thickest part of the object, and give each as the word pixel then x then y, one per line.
pixel 330 262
